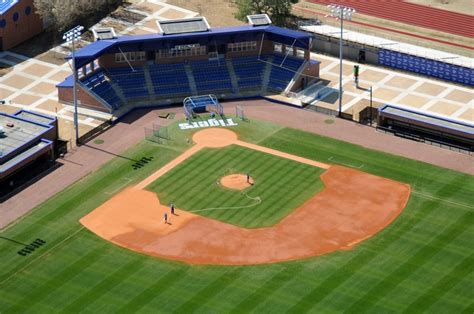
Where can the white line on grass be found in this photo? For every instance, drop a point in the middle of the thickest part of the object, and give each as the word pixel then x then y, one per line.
pixel 442 200
pixel 257 199
pixel 54 247
pixel 348 165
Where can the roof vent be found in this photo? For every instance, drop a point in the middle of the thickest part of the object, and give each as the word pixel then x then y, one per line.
pixel 104 33
pixel 259 19
pixel 181 26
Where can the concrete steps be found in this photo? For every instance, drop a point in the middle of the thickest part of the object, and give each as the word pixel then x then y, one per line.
pixel 149 81
pixel 192 82
pixel 266 75
pixel 233 77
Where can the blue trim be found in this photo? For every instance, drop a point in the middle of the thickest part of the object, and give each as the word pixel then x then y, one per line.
pixel 381 109
pixel 68 82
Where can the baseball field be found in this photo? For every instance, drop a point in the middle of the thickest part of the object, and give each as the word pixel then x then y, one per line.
pixel 422 261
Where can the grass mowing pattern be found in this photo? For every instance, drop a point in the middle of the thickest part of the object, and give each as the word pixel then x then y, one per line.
pixel 281 184
pixel 421 262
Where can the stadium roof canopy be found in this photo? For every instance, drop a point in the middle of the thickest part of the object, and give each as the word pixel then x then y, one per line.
pixel 213 36
pixel 6 5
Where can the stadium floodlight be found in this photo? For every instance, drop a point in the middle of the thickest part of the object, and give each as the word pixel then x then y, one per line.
pixel 71 36
pixel 342 13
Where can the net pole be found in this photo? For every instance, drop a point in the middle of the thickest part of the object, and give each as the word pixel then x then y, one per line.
pixel 261 46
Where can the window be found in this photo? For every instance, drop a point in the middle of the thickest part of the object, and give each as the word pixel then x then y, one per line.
pixel 182 51
pixel 300 53
pixel 278 48
pixel 16 16
pixel 242 46
pixel 130 56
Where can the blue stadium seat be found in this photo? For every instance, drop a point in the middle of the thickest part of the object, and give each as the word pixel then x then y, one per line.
pixel 211 77
pixel 170 80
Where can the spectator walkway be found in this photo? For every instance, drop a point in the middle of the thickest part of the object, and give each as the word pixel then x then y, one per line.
pixel 431 96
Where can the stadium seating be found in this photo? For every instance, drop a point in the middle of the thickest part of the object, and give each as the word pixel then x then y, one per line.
pixel 169 80
pixel 132 83
pixel 211 77
pixel 283 70
pixel 249 71
pixel 100 85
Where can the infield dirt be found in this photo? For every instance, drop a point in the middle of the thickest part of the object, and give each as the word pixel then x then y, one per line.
pixel 352 207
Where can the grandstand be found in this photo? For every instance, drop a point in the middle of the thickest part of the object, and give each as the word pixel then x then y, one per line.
pixel 188 58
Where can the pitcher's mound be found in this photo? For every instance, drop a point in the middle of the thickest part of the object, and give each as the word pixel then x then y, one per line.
pixel 236 181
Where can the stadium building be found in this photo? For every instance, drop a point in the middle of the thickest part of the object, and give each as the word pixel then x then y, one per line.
pixel 185 58
pixel 18 22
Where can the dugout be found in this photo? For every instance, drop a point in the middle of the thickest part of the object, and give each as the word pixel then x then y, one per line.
pixel 427 128
pixel 27 147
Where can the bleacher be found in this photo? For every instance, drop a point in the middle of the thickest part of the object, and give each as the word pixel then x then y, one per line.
pixel 249 71
pixel 132 83
pixel 169 80
pixel 100 85
pixel 211 77
pixel 282 72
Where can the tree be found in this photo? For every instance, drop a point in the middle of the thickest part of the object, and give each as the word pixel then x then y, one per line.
pixel 278 10
pixel 63 14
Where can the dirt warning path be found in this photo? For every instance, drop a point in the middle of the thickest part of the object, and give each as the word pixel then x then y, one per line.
pixel 352 207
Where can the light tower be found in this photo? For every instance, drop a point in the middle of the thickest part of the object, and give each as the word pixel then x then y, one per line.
pixel 70 37
pixel 342 13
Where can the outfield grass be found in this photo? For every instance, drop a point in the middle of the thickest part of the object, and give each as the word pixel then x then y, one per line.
pixel 280 186
pixel 421 262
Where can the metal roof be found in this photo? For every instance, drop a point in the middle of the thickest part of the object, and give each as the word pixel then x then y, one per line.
pixel 151 41
pixel 428 119
pixel 19 134
pixel 259 19
pixel 388 44
pixel 182 26
pixel 104 33
pixel 6 5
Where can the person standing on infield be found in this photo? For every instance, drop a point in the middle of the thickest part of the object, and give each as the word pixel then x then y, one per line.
pixel 172 208
pixel 166 218
pixel 248 178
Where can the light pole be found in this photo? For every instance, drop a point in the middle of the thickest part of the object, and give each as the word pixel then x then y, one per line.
pixel 342 13
pixel 370 105
pixel 70 37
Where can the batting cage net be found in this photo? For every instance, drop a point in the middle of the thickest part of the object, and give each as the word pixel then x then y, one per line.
pixel 198 104
pixel 240 114
pixel 156 133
